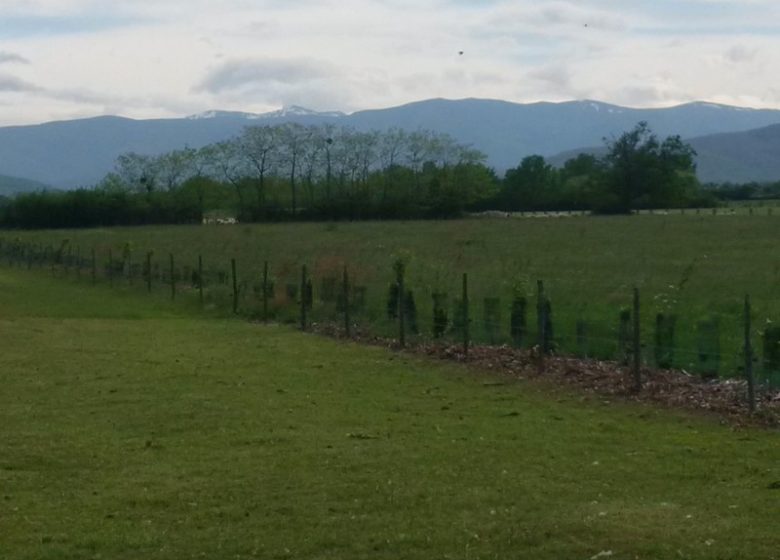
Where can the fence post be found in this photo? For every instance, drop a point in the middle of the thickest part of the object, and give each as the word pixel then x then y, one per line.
pixel 749 359
pixel 173 278
pixel 345 288
pixel 94 266
pixel 265 291
pixel 636 344
pixel 78 262
pixel 541 320
pixel 303 298
pixel 200 279
pixel 465 296
pixel 401 309
pixel 110 268
pixel 235 285
pixel 149 272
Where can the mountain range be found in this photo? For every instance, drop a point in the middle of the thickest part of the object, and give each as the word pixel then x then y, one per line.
pixel 734 144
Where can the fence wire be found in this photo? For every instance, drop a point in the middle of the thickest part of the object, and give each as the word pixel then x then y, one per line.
pixel 418 311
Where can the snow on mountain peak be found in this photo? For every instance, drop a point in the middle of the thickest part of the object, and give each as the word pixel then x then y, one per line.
pixel 221 114
pixel 284 112
pixel 298 111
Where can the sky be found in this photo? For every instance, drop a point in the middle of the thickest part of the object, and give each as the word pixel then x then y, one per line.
pixel 65 59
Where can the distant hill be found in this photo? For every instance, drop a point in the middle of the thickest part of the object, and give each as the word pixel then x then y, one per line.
pixel 14 185
pixel 736 157
pixel 739 157
pixel 69 154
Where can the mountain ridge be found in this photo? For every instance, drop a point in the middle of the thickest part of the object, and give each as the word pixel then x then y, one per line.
pixel 68 154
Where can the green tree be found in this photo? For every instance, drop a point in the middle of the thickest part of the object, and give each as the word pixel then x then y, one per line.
pixel 642 172
pixel 581 180
pixel 531 185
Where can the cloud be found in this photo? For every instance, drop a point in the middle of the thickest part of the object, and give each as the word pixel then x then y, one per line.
pixel 257 74
pixel 313 83
pixel 13 84
pixel 740 53
pixel 159 58
pixel 9 57
pixel 27 25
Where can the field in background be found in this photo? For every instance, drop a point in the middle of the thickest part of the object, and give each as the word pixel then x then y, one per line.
pixel 134 428
pixel 694 266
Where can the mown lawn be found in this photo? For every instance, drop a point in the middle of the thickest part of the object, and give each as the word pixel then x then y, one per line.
pixel 134 429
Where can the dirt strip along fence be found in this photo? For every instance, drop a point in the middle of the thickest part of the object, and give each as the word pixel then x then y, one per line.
pixel 638 335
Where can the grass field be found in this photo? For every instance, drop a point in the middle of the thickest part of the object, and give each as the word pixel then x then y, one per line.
pixel 693 266
pixel 131 428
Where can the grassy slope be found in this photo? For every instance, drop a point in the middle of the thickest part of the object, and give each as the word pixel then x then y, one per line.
pixel 130 429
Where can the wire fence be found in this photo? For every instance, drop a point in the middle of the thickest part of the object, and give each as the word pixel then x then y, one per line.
pixel 718 345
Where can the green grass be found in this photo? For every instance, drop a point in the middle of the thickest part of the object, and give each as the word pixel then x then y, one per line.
pixel 131 428
pixel 692 266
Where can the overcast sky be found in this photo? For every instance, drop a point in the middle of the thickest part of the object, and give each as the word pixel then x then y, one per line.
pixel 62 59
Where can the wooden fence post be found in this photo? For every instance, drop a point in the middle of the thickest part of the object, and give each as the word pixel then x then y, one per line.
pixel 265 291
pixel 401 308
pixel 78 262
pixel 94 266
pixel 636 344
pixel 200 279
pixel 149 272
pixel 541 320
pixel 173 278
pixel 110 268
pixel 345 297
pixel 303 297
pixel 235 285
pixel 465 296
pixel 751 390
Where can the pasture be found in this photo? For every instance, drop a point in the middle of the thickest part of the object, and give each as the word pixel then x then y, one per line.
pixel 696 268
pixel 132 427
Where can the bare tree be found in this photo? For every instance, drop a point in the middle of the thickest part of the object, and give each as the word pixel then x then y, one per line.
pixel 293 140
pixel 173 168
pixel 225 162
pixel 137 171
pixel 260 145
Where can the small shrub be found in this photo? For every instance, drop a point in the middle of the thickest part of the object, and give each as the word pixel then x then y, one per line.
pixel 358 300
pixel 547 344
pixel 517 323
pixel 708 345
pixel 772 350
pixel 624 342
pixel 392 301
pixel 458 317
pixel 329 289
pixel 410 313
pixel 269 289
pixel 308 295
pixel 492 318
pixel 440 318
pixel 664 340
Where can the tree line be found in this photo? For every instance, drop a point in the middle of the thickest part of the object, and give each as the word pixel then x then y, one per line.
pixel 291 171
